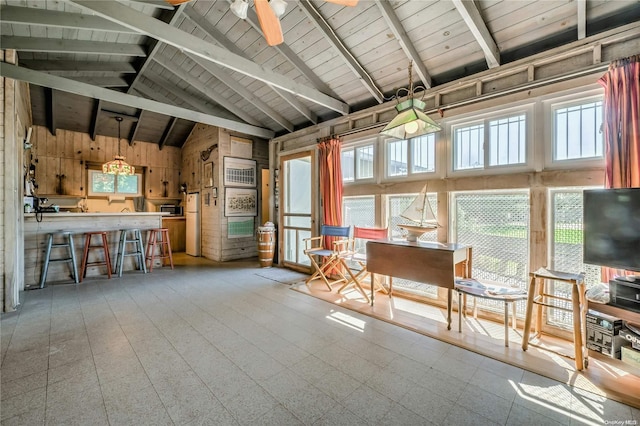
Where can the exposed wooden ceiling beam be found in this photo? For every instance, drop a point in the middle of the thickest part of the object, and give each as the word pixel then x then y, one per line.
pixel 233 84
pixel 56 19
pixel 396 27
pixel 135 127
pixel 471 16
pixel 101 81
pixel 582 18
pixel 189 43
pixel 188 98
pixel 71 67
pixel 206 90
pixel 316 18
pixel 114 114
pixel 159 4
pixel 50 97
pixel 59 45
pixel 167 132
pixel 221 39
pixel 66 85
pixel 155 47
pixel 95 118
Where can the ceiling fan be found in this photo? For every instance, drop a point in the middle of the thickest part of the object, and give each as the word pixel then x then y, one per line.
pixel 269 13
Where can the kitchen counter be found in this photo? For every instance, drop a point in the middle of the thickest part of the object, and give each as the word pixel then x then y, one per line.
pixel 35 237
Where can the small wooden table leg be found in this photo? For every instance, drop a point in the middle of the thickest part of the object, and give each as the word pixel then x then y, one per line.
pixel 449 297
pixel 527 319
pixel 506 323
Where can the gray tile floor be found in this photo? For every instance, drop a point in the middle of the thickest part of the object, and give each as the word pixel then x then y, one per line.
pixel 219 344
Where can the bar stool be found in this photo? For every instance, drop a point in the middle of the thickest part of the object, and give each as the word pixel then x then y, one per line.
pixel 538 296
pixel 87 246
pixel 71 257
pixel 136 240
pixel 159 237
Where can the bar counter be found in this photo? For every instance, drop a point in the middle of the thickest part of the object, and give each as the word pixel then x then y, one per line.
pixel 35 239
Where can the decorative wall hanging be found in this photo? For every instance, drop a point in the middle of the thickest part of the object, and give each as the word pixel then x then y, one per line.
pixel 240 227
pixel 207 175
pixel 242 148
pixel 239 172
pixel 240 202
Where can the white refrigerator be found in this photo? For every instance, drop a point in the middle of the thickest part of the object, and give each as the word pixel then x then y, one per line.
pixel 193 224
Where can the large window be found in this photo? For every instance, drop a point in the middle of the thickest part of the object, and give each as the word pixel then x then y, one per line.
pixel 357 163
pixel 496 225
pixel 490 143
pixel 566 249
pixel 413 156
pixel 577 131
pixel 105 184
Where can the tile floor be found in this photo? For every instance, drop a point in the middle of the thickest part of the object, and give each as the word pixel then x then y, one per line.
pixel 219 344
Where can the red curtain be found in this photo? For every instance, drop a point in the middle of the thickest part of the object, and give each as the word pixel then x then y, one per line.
pixel 330 183
pixel 621 129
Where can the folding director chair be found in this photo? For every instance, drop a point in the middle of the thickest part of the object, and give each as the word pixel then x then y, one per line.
pixel 358 257
pixel 327 258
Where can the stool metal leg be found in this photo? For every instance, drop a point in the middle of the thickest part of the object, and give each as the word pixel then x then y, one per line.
pixel 121 249
pixel 74 262
pixel 140 250
pixel 45 268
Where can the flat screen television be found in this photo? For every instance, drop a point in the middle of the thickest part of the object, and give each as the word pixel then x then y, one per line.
pixel 611 222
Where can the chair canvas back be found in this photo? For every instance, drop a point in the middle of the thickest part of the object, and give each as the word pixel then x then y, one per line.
pixel 370 233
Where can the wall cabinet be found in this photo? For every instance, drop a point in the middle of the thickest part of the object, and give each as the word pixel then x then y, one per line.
pixel 162 182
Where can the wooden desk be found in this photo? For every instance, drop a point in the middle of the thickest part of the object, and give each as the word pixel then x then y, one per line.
pixel 430 263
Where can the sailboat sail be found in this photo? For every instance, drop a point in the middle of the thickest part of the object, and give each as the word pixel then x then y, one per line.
pixel 420 211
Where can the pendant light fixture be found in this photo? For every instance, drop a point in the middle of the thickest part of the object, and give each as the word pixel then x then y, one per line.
pixel 118 166
pixel 411 120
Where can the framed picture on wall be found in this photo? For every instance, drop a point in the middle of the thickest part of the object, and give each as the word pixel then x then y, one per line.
pixel 240 202
pixel 207 175
pixel 239 172
pixel 241 147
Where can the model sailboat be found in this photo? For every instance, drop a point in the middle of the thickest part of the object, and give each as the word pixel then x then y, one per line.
pixel 420 213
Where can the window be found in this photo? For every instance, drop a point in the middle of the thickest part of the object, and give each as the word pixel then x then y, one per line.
pixel 506 143
pixel 576 131
pixel 104 184
pixel 496 225
pixel 566 246
pixel 413 156
pixel 357 163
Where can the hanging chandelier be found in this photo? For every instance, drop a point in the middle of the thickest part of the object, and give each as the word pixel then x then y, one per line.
pixel 411 120
pixel 118 166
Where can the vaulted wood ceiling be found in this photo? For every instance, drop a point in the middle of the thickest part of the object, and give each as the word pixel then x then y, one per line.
pixel 165 68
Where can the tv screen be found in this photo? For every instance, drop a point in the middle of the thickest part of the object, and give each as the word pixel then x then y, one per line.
pixel 612 228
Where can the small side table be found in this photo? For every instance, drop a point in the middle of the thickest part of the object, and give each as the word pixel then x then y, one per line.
pixel 485 289
pixel 539 297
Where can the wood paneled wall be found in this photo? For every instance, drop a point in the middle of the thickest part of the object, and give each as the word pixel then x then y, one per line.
pixel 214 242
pixel 62 161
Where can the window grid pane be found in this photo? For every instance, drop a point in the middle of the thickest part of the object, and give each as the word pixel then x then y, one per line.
pixel 364 164
pixel 496 225
pixel 397 158
pixel 347 165
pixel 507 141
pixel 396 205
pixel 423 153
pixel 577 132
pixel 469 147
pixel 566 243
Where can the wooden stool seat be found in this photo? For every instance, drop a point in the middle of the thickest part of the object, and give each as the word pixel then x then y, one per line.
pixel 71 257
pixel 130 236
pixel 158 237
pixel 538 297
pixel 104 246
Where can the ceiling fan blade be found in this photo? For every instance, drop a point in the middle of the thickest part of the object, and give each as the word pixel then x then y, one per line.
pixel 269 22
pixel 350 3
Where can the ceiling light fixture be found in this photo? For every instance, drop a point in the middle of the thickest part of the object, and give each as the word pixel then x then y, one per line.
pixel 118 166
pixel 240 8
pixel 278 6
pixel 411 120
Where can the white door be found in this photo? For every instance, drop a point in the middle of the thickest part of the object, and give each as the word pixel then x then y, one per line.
pixel 297 208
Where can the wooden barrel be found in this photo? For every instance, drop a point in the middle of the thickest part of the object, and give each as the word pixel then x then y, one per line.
pixel 266 245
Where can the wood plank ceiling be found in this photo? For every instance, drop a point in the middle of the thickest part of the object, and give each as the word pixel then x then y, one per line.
pixel 165 68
